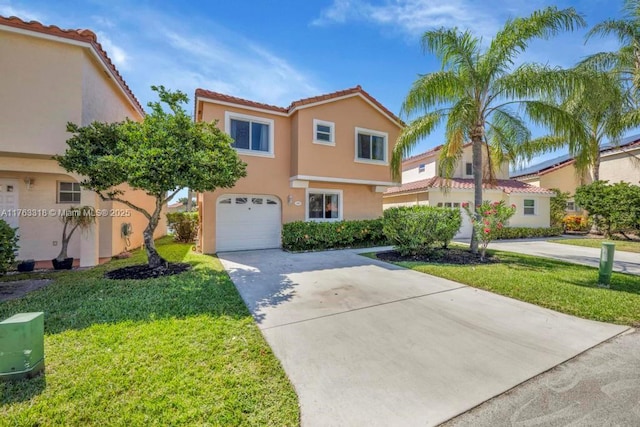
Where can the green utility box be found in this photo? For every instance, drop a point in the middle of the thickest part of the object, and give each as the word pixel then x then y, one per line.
pixel 606 263
pixel 21 346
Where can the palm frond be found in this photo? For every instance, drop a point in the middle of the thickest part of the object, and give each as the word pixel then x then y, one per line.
pixel 409 138
pixel 432 90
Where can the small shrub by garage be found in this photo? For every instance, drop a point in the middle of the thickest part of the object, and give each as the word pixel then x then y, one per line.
pixel 415 230
pixel 8 246
pixel 309 236
pixel 526 232
pixel 184 226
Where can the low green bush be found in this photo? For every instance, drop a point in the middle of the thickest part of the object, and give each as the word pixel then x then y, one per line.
pixel 184 226
pixel 309 236
pixel 417 229
pixel 8 246
pixel 526 232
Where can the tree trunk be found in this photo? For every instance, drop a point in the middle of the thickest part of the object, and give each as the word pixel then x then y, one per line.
pixel 64 243
pixel 596 168
pixel 476 147
pixel 153 257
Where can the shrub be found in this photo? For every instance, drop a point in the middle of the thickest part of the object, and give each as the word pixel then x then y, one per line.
pixel 488 220
pixel 575 223
pixel 8 246
pixel 184 225
pixel 614 208
pixel 416 229
pixel 526 232
pixel 558 206
pixel 308 236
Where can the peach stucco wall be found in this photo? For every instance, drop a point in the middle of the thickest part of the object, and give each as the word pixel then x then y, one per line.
pixel 621 167
pixel 565 179
pixel 41 87
pixel 338 161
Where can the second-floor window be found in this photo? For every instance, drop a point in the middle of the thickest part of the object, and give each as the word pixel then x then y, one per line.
pixel 323 132
pixel 468 169
pixel 251 135
pixel 371 146
pixel 421 168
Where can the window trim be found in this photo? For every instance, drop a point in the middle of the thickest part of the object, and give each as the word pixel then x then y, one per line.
pixel 524 207
pixel 58 191
pixel 228 115
pixel 371 132
pixel 323 191
pixel 332 132
pixel 422 167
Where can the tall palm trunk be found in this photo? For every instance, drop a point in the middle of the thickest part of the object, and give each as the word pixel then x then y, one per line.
pixel 476 149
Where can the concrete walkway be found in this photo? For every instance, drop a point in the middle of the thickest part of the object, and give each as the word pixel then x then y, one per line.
pixel 624 262
pixel 368 343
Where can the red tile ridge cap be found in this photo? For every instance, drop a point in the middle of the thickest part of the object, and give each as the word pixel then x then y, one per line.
pixel 82 35
pixel 236 100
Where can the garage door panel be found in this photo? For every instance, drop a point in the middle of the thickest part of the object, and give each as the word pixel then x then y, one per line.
pixel 247 222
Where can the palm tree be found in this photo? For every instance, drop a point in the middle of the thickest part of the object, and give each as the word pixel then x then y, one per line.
pixel 625 62
pixel 604 112
pixel 476 89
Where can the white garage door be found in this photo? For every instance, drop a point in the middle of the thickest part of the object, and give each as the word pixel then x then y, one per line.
pixel 247 222
pixel 466 229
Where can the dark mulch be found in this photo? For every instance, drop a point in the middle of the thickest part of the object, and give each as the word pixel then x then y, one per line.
pixel 440 256
pixel 140 272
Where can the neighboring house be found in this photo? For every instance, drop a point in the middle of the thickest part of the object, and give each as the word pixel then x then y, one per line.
pixel 176 207
pixel 421 185
pixel 324 158
pixel 617 163
pixel 50 77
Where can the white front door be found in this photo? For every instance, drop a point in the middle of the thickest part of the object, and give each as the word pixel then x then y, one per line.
pixel 9 201
pixel 247 222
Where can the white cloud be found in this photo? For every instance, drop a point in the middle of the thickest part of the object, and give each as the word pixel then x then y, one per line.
pixel 413 16
pixel 116 53
pixel 6 9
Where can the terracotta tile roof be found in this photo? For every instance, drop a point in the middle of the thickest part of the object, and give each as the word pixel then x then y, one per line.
pixel 506 185
pixel 299 103
pixel 235 100
pixel 86 36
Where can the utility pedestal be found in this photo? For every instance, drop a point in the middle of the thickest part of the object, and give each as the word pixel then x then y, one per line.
pixel 21 346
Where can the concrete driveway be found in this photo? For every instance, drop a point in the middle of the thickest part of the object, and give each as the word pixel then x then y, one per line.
pixel 368 343
pixel 624 262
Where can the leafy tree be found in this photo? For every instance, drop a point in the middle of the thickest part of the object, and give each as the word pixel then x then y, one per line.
pixel 161 155
pixel 476 89
pixel 488 220
pixel 78 217
pixel 614 208
pixel 558 207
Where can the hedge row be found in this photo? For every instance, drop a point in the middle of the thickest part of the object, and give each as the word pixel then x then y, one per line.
pixel 526 232
pixel 307 236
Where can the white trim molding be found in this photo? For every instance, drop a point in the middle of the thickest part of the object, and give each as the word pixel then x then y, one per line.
pixel 332 132
pixel 342 180
pixel 371 132
pixel 228 115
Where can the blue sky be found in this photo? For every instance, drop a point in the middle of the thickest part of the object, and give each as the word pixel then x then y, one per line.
pixel 278 51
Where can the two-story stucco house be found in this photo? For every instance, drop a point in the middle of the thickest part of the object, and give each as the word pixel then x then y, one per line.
pixel 618 163
pixel 324 158
pixel 49 77
pixel 421 185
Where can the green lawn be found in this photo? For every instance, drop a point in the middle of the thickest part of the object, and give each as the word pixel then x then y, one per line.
pixel 181 350
pixel 621 245
pixel 557 285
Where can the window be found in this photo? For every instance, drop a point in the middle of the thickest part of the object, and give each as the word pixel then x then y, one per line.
pixel 371 146
pixel 468 168
pixel 68 192
pixel 421 168
pixel 571 206
pixel 449 204
pixel 324 204
pixel 323 132
pixel 251 135
pixel 529 207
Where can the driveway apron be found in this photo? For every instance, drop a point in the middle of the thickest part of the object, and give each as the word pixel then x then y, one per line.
pixel 368 343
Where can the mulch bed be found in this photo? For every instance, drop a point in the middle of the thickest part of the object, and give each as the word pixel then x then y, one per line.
pixel 440 256
pixel 140 272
